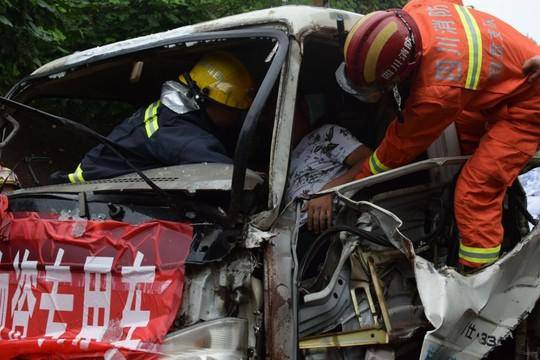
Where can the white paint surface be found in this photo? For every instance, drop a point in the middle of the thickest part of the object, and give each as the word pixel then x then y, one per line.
pixel 521 14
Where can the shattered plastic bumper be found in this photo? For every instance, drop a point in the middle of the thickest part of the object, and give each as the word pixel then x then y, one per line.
pixel 217 339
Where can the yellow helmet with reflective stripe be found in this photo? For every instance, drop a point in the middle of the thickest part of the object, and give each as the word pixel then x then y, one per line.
pixel 223 78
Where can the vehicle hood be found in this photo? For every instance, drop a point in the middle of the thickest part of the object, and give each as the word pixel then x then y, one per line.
pixel 190 178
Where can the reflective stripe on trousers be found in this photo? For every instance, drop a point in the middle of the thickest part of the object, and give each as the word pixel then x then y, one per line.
pixel 479 255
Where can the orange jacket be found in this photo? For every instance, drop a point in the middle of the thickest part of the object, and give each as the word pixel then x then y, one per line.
pixel 471 61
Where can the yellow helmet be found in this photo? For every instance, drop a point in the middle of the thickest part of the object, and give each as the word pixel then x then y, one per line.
pixel 224 79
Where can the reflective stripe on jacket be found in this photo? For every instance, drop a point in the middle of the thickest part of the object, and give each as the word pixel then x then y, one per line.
pixel 159 137
pixel 471 61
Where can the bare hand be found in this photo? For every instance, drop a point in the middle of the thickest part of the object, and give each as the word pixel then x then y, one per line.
pixel 319 213
pixel 532 68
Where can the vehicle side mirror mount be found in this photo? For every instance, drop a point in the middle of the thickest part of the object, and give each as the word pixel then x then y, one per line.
pixel 341 33
pixel 136 72
pixel 7 134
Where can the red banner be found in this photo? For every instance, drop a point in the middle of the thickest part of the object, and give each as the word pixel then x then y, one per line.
pixel 77 287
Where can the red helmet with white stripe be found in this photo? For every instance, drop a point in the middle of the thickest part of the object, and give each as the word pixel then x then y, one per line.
pixel 382 49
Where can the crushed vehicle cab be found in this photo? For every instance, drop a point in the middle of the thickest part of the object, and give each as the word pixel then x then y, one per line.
pixel 200 261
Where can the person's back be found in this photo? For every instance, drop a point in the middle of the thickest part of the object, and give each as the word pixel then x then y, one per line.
pixel 469 49
pixel 469 61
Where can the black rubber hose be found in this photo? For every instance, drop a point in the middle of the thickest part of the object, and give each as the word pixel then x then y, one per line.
pixel 321 240
pixel 118 150
pixel 524 211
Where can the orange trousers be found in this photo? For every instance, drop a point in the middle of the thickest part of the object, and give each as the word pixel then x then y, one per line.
pixel 506 146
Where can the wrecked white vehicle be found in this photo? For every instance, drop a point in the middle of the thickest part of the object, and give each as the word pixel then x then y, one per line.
pixel 200 261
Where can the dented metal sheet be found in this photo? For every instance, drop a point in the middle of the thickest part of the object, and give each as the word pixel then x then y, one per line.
pixel 429 164
pixel 279 319
pixel 471 314
pixel 256 237
pixel 191 178
pixel 279 155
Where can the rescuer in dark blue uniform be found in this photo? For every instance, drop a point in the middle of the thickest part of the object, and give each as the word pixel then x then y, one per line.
pixel 178 128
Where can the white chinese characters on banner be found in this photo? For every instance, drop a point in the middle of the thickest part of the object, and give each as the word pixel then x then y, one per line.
pixel 4 296
pixel 133 316
pixel 24 300
pixel 18 308
pixel 97 297
pixel 54 301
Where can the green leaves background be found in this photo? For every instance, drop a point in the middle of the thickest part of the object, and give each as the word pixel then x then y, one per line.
pixel 33 32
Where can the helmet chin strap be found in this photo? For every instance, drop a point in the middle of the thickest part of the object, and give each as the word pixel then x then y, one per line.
pixel 198 94
pixel 397 103
pixel 411 36
pixel 395 90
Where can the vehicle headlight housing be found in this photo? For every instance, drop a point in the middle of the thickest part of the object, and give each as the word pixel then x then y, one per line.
pixel 222 339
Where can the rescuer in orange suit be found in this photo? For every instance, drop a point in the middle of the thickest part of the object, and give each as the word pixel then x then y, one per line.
pixel 460 64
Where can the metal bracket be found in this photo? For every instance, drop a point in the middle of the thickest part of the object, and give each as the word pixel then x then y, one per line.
pixel 13 132
pixel 341 33
pixel 352 338
pixel 360 280
pixel 364 272
pixel 83 206
pixel 348 248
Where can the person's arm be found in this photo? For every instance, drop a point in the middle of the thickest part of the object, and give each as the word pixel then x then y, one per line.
pixel 319 209
pixel 531 68
pixel 427 113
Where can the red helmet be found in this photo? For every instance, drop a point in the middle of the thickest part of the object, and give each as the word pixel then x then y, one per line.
pixel 382 48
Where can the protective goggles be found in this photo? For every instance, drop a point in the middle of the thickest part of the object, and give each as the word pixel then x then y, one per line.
pixel 368 94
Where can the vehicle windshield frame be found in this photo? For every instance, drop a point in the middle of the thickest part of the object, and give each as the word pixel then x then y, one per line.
pixel 244 143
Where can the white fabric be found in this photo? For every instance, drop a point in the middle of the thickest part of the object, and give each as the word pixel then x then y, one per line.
pixel 319 158
pixel 531 184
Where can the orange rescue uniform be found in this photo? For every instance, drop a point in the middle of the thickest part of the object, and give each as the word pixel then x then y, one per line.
pixel 470 71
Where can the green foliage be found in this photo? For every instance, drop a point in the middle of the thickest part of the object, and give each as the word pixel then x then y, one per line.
pixel 31 31
pixel 36 31
pixel 367 6
pixel 91 23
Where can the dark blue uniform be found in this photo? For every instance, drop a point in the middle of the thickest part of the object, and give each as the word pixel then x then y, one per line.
pixel 156 137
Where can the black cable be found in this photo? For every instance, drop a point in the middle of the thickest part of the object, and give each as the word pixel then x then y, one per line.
pixel 527 214
pixel 524 211
pixel 319 242
pixel 115 148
